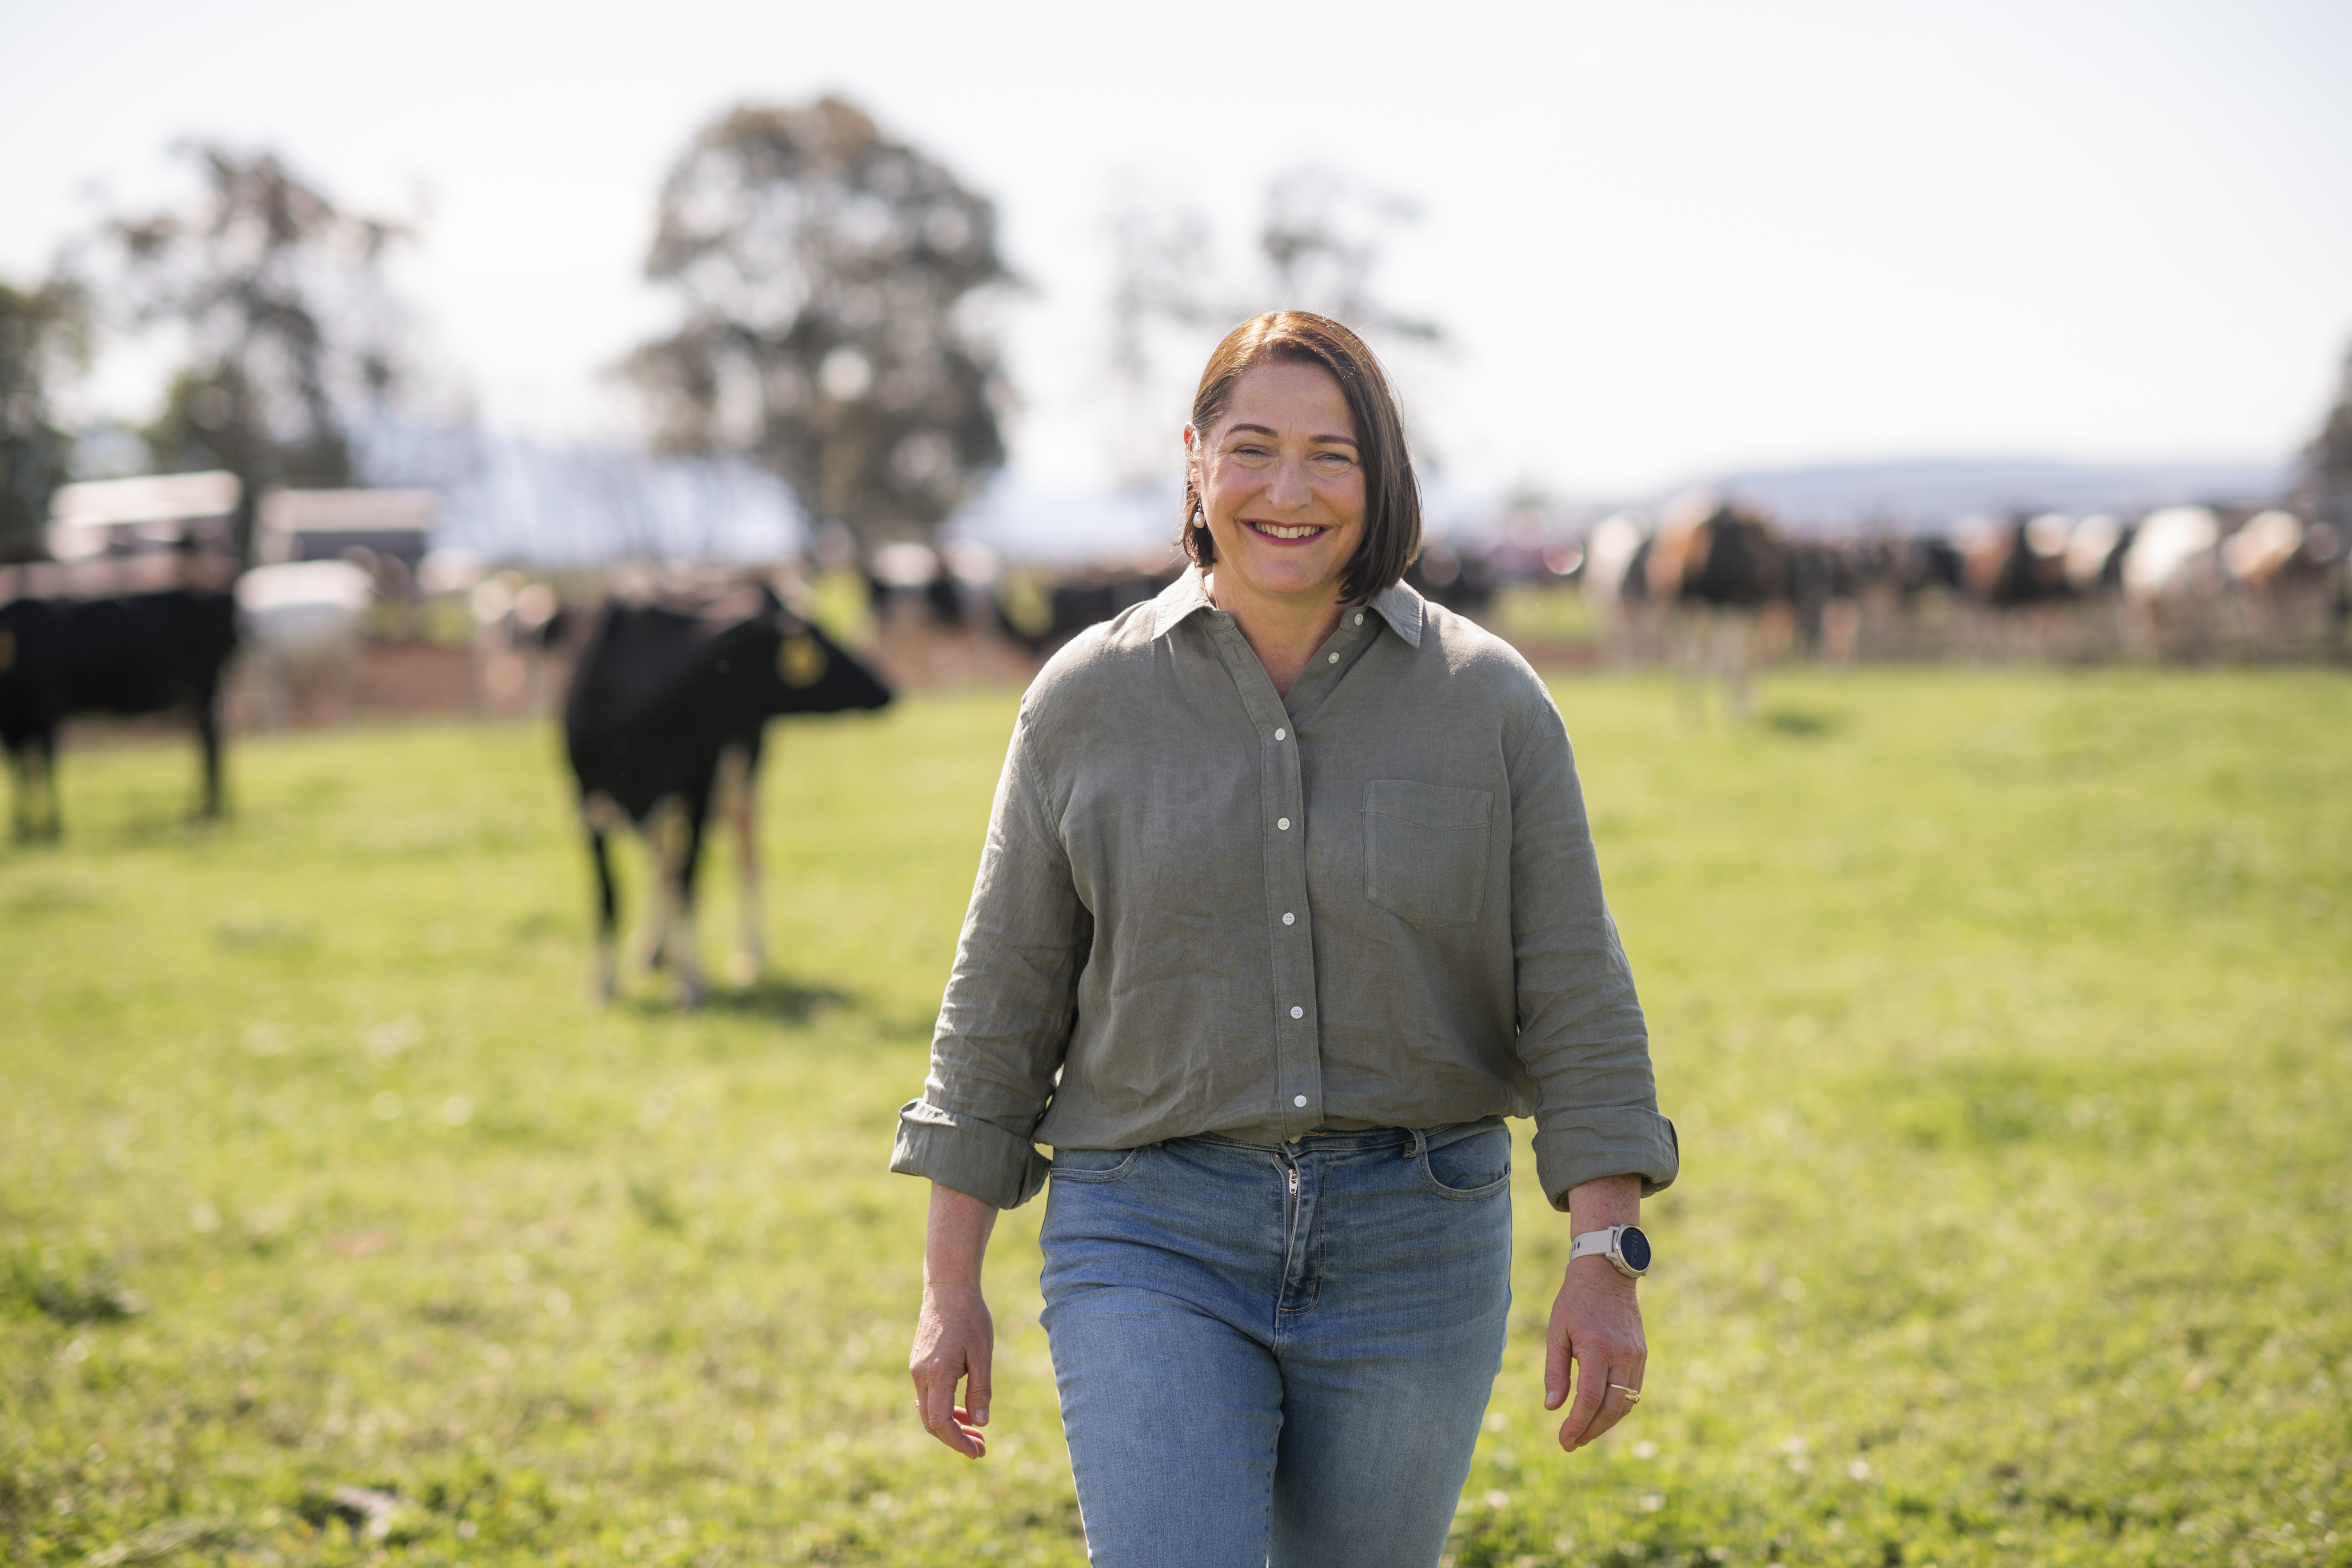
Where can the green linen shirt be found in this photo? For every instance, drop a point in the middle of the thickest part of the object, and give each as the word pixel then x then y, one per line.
pixel 1205 907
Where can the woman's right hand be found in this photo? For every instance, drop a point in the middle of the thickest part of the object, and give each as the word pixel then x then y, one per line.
pixel 955 1339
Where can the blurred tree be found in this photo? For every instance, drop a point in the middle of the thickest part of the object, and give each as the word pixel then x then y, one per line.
pixel 1320 240
pixel 1164 286
pixel 44 337
pixel 828 275
pixel 279 296
pixel 2328 463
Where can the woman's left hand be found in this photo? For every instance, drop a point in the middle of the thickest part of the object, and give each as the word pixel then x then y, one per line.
pixel 1596 1322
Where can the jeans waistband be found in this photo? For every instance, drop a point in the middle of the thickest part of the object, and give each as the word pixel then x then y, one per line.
pixel 1365 1138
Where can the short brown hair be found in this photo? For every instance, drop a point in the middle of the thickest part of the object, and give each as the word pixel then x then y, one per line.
pixel 1391 495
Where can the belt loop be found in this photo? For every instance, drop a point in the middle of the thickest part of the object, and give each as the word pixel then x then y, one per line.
pixel 1420 1143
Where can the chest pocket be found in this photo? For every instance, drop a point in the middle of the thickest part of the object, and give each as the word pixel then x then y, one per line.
pixel 1426 851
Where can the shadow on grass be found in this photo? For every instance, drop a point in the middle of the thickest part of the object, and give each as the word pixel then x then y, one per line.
pixel 1802 723
pixel 39 899
pixel 774 997
pixel 151 823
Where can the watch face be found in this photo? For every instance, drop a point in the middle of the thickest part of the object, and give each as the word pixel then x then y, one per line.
pixel 1633 1247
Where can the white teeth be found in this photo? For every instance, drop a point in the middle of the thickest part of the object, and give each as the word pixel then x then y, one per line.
pixel 1278 532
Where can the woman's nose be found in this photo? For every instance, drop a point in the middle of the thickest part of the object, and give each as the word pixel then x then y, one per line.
pixel 1288 487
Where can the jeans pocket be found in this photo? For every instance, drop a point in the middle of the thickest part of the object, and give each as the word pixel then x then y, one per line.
pixel 1426 851
pixel 1477 1167
pixel 1094 1165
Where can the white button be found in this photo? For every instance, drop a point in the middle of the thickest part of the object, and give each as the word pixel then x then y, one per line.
pixel 1298 1012
pixel 1278 734
pixel 1290 920
pixel 1299 1101
pixel 1335 657
pixel 1360 617
pixel 1283 823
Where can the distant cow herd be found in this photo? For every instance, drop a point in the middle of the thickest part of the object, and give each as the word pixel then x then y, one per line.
pixel 1714 588
pixel 672 679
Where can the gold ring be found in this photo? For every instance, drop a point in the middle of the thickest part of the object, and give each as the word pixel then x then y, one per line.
pixel 1633 1395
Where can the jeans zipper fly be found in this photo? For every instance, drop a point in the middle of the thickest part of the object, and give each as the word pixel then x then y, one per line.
pixel 1291 1229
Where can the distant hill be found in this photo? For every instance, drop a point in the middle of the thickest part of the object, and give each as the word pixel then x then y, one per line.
pixel 1936 493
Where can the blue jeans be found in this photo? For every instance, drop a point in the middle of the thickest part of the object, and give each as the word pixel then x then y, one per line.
pixel 1278 1355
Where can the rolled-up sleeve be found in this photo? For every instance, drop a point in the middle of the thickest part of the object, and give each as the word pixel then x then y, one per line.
pixel 1581 1034
pixel 1005 1020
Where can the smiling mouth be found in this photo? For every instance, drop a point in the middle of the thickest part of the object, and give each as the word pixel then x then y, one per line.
pixel 1286 529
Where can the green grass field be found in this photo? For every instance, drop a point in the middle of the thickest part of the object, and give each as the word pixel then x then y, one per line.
pixel 2007 1018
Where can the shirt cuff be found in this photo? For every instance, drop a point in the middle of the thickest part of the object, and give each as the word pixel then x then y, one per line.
pixel 1625 1142
pixel 974 1157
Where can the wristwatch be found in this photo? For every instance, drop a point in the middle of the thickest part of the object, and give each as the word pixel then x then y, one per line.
pixel 1626 1246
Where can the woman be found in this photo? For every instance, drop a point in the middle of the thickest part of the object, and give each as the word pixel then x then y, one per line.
pixel 1288 899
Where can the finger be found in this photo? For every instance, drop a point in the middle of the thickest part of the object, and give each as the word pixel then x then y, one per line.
pixel 978 1375
pixel 927 1402
pixel 1629 1369
pixel 1613 1407
pixel 964 1437
pixel 1616 1404
pixel 935 1398
pixel 949 1423
pixel 943 1417
pixel 1558 1354
pixel 1591 1383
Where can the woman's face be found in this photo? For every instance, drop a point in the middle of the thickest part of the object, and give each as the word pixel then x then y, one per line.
pixel 1283 484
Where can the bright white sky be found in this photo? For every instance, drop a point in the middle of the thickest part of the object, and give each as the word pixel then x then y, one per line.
pixel 1670 239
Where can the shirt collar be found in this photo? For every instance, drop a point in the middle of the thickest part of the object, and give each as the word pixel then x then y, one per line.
pixel 1177 600
pixel 1401 608
pixel 1398 605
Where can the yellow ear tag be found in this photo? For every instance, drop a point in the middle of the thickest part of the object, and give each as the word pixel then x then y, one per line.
pixel 800 660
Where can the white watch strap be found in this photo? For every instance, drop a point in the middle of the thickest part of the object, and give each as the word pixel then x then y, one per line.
pixel 1593 1242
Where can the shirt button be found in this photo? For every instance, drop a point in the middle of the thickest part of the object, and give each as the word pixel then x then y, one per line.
pixel 1335 656
pixel 1360 617
pixel 1283 823
pixel 1278 734
pixel 1298 1012
pixel 1299 1101
pixel 1290 920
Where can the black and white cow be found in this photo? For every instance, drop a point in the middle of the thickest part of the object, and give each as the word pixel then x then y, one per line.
pixel 126 654
pixel 668 709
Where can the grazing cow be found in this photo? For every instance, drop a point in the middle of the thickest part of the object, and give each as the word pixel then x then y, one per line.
pixel 1726 559
pixel 301 624
pixel 667 705
pixel 1615 578
pixel 2016 562
pixel 2171 573
pixel 1824 599
pixel 1069 607
pixel 518 627
pixel 1719 568
pixel 2021 603
pixel 128 653
pixel 1463 580
pixel 2095 555
pixel 2282 586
